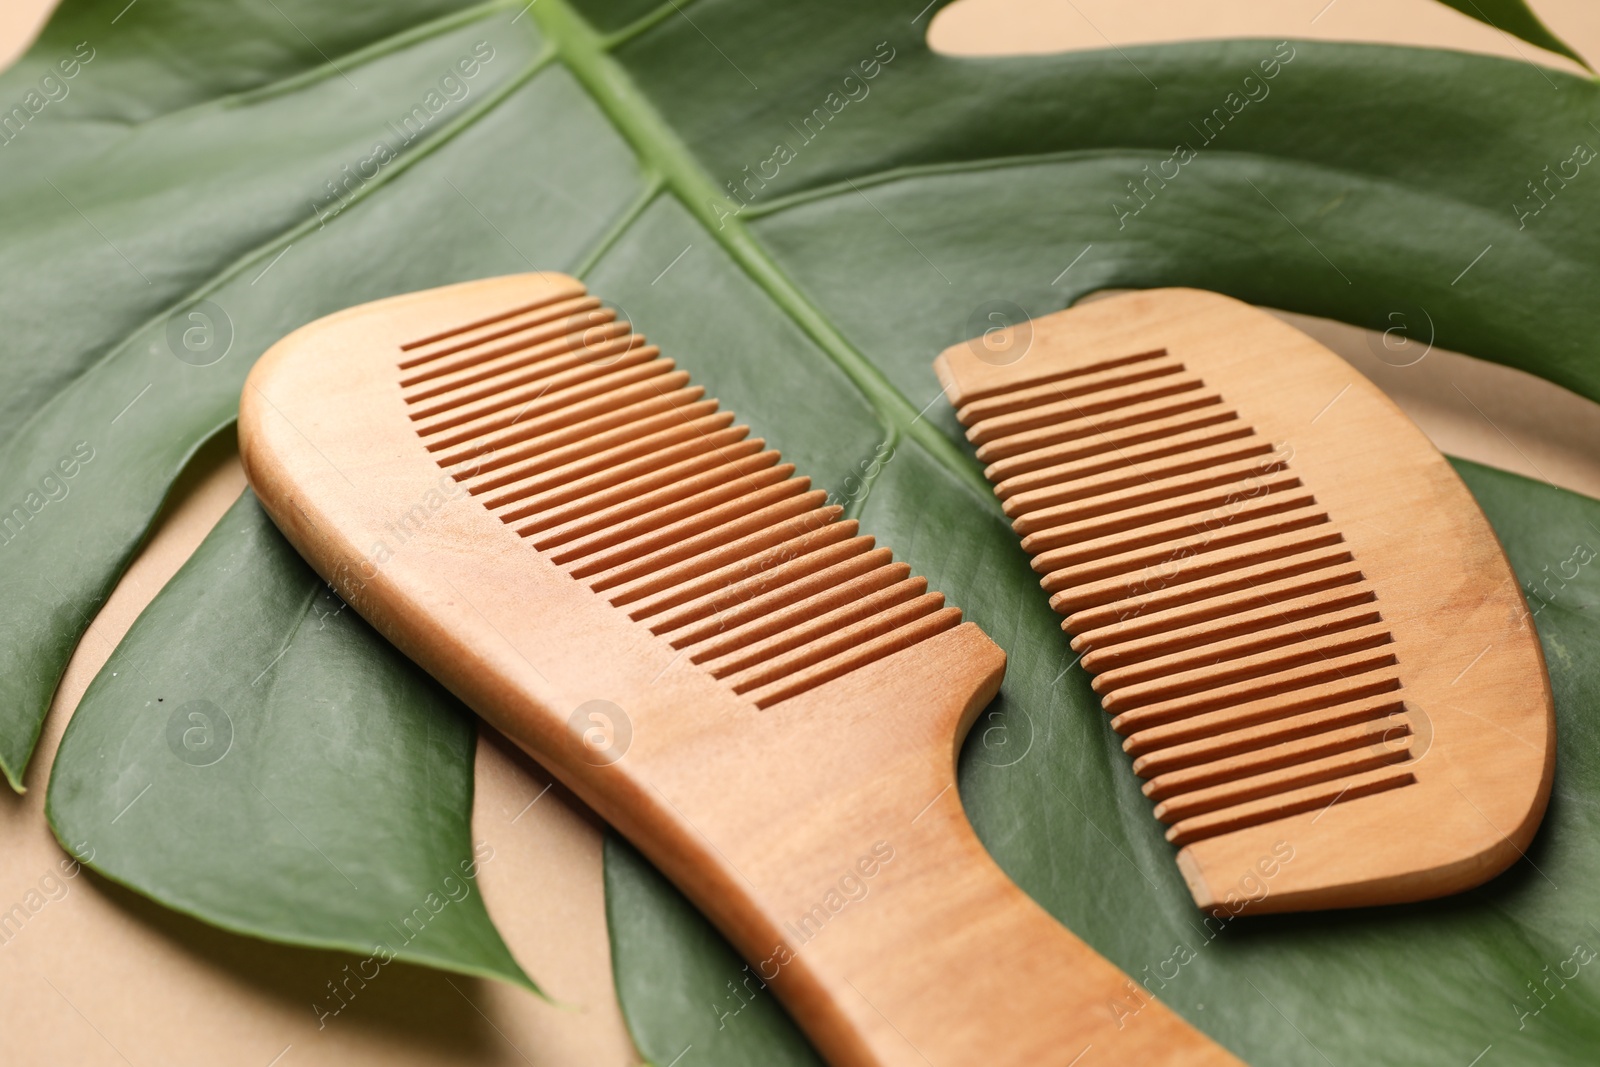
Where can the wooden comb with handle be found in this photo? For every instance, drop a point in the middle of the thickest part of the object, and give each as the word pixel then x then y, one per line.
pixel 546 515
pixel 1295 613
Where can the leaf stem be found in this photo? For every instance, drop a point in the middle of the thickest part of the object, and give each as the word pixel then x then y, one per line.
pixel 585 52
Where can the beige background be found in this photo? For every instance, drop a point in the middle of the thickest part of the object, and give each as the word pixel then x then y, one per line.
pixel 102 976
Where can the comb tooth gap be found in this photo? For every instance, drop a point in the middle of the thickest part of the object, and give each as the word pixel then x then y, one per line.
pixel 1240 478
pixel 612 348
pixel 1333 768
pixel 823 543
pixel 1330 700
pixel 1194 570
pixel 1152 536
pixel 549 470
pixel 1108 651
pixel 732 625
pixel 575 507
pixel 1002 472
pixel 723 590
pixel 856 656
pixel 1161 511
pixel 1279 687
pixel 727 506
pixel 515 365
pixel 1044 479
pixel 1266 670
pixel 985 392
pixel 1391 733
pixel 894 611
pixel 1386 709
pixel 1047 416
pixel 799 608
pixel 1195 547
pixel 582 309
pixel 562 292
pixel 1298 802
pixel 533 405
pixel 1078 429
pixel 790 523
pixel 1221 654
pixel 1312 579
pixel 690 557
pixel 1136 474
pixel 527 385
pixel 815 632
pixel 538 339
pixel 1009 403
pixel 558 429
pixel 1213 592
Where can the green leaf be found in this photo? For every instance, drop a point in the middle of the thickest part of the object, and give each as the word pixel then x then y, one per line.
pixel 680 983
pixel 253 754
pixel 226 156
pixel 145 201
pixel 1515 16
pixel 1049 791
pixel 804 238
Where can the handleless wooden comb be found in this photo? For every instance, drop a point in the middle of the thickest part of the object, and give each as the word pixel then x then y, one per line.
pixel 542 511
pixel 1295 613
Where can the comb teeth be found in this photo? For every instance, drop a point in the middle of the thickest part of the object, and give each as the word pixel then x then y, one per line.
pixel 1231 635
pixel 568 427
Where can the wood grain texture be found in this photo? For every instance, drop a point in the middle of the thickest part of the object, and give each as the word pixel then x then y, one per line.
pixel 497 476
pixel 1293 610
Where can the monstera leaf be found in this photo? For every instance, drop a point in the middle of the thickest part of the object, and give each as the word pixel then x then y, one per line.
pixel 803 205
pixel 1514 16
pixel 185 181
pixel 255 755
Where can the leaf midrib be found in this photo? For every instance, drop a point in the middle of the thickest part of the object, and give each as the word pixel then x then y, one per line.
pixel 667 158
